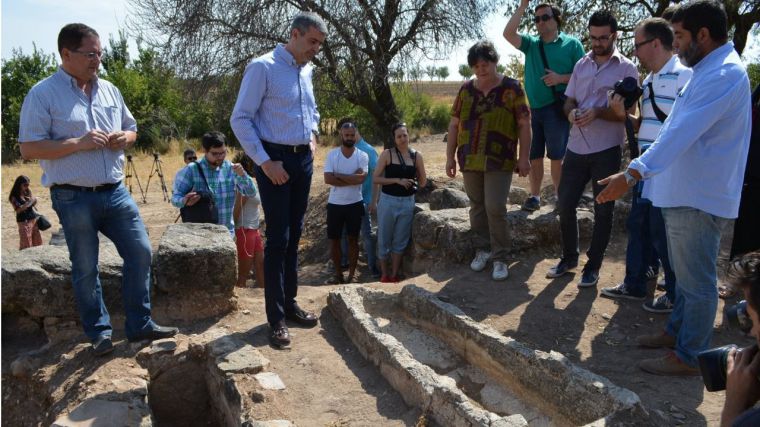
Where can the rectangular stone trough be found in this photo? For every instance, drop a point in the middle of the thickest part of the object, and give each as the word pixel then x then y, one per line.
pixel 463 373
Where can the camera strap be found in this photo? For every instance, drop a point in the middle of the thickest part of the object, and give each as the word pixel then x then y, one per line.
pixel 661 116
pixel 546 66
pixel 203 176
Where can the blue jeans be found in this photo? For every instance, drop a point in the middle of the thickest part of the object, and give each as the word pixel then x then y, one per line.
pixel 646 239
pixel 550 132
pixel 369 240
pixel 693 244
pixel 284 209
pixel 394 224
pixel 114 213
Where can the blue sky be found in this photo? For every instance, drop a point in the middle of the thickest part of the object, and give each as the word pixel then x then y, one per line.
pixel 25 22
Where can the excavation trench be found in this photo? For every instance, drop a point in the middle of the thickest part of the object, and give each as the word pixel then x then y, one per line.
pixel 464 373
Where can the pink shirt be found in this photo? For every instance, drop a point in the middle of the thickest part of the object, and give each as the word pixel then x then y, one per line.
pixel 589 85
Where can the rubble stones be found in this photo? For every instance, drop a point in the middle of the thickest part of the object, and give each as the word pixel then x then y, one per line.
pixel 448 198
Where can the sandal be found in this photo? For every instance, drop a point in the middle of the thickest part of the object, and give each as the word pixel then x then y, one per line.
pixel 726 292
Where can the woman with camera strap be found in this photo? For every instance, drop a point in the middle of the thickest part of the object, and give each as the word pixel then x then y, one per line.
pixel 400 171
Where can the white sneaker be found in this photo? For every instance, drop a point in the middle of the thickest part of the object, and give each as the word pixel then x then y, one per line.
pixel 480 261
pixel 500 271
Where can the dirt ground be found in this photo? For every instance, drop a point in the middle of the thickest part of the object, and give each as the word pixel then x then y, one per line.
pixel 328 382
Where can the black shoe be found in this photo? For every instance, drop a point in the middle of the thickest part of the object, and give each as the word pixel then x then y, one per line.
pixel 589 278
pixel 102 346
pixel 531 204
pixel 302 317
pixel 156 333
pixel 562 268
pixel 280 337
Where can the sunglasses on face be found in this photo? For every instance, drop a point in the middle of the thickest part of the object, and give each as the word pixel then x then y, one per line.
pixel 545 17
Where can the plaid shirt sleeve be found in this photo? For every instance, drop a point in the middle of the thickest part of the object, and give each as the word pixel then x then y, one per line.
pixel 183 184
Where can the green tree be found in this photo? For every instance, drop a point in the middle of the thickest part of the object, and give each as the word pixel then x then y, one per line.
pixel 365 38
pixel 465 71
pixel 19 74
pixel 500 68
pixel 515 68
pixel 431 71
pixel 443 73
pixel 754 74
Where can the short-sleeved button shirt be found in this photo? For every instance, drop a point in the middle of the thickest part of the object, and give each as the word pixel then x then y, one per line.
pixel 561 55
pixel 487 134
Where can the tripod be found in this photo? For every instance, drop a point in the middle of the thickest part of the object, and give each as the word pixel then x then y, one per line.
pixel 158 170
pixel 129 173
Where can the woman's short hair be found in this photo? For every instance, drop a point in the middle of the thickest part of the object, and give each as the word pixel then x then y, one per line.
pixel 482 50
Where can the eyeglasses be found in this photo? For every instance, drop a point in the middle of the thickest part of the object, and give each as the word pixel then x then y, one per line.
pixel 637 46
pixel 90 55
pixel 600 38
pixel 545 17
pixel 191 158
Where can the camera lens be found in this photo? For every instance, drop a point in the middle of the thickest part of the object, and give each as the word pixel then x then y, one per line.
pixel 737 317
pixel 712 365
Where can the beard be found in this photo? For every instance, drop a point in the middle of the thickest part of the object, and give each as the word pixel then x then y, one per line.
pixel 604 51
pixel 691 55
pixel 349 144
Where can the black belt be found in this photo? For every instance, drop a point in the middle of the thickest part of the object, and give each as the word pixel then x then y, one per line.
pixel 101 187
pixel 296 149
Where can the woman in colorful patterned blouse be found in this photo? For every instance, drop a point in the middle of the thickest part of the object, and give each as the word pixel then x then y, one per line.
pixel 489 117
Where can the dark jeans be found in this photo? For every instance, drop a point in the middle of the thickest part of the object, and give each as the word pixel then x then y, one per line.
pixel 646 235
pixel 284 209
pixel 577 170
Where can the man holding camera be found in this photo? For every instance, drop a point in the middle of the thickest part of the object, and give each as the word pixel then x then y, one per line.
pixel 213 176
pixel 593 150
pixel 743 366
pixel 653 45
pixel 549 61
pixel 694 172
pixel 79 126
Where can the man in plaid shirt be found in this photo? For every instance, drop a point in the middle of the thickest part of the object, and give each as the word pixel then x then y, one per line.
pixel 223 179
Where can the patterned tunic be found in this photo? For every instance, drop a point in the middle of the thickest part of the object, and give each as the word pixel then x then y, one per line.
pixel 487 134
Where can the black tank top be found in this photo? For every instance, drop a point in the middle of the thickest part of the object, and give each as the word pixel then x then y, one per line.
pixel 400 170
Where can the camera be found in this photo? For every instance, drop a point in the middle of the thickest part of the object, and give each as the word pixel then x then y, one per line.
pixel 629 89
pixel 155 156
pixel 737 317
pixel 713 365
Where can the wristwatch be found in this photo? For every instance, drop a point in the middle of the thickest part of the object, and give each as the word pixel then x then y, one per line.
pixel 629 179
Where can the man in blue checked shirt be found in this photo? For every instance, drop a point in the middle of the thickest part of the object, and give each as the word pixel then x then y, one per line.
pixel 222 176
pixel 78 126
pixel 275 119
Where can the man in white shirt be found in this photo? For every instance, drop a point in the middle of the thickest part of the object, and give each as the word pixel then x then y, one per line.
pixel 345 170
pixel 653 45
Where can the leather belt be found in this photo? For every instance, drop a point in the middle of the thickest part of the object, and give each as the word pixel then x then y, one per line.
pixel 101 187
pixel 296 149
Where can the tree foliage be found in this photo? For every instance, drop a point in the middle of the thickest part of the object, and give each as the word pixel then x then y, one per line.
pixel 742 15
pixel 19 74
pixel 366 38
pixel 465 71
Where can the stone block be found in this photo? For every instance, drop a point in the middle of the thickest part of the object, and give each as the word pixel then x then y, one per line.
pixel 448 198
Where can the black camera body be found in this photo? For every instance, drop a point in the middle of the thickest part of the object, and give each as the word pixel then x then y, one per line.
pixel 630 90
pixel 713 365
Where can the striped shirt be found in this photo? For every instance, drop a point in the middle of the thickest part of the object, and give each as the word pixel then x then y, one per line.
pixel 57 109
pixel 222 183
pixel 275 104
pixel 667 82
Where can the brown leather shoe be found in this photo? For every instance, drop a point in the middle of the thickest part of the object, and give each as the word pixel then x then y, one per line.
pixel 280 337
pixel 656 340
pixel 302 317
pixel 669 365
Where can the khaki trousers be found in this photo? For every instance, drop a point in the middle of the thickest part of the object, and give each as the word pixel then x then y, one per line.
pixel 488 192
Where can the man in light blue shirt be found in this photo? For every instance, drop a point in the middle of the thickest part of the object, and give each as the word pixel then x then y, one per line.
pixel 694 171
pixel 78 127
pixel 276 121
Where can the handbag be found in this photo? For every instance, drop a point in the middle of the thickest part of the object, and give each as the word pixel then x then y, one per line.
pixel 43 223
pixel 204 210
pixel 559 98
